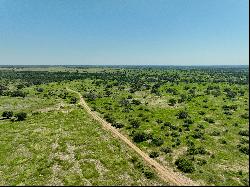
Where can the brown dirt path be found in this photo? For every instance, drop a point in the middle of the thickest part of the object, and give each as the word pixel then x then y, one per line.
pixel 166 174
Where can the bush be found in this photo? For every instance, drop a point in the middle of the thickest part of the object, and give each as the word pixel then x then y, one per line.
pixel 148 174
pixel 244 133
pixel 172 102
pixel 135 123
pixel 136 102
pixel 17 93
pixel 117 125
pixel 192 150
pixel 166 150
pixel 109 118
pixel 139 137
pixel 153 154
pixel 209 120
pixel 188 121
pixel 244 116
pixel 198 134
pixel 201 113
pixel 182 115
pixel 39 89
pixel 185 165
pixel 215 133
pixel 157 141
pixel 73 100
pixel 201 161
pixel 21 116
pixel 7 114
pixel 244 149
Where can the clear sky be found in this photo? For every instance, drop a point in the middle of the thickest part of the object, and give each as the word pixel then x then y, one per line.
pixel 124 32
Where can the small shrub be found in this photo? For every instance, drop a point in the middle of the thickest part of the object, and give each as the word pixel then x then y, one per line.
pixel 148 174
pixel 209 120
pixel 153 154
pixel 157 141
pixel 244 116
pixel 172 102
pixel 188 121
pixel 215 133
pixel 244 149
pixel 244 133
pixel 182 115
pixel 7 114
pixel 201 162
pixel 21 116
pixel 185 165
pixel 73 100
pixel 118 125
pixel 166 150
pixel 40 89
pixel 135 123
pixel 201 113
pixel 139 137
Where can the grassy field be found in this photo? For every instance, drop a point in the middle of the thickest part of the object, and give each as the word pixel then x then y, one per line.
pixel 59 144
pixel 195 121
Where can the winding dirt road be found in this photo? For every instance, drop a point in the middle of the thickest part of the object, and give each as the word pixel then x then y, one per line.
pixel 165 174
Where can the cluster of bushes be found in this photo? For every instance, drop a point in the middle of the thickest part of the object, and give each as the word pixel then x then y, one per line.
pixel 244 132
pixel 117 125
pixel 166 150
pixel 140 136
pixel 209 120
pixel 198 134
pixel 185 165
pixel 154 154
pixel 192 150
pixel 109 118
pixel 18 116
pixel 137 164
pixel 232 107
pixel 182 115
pixel 243 148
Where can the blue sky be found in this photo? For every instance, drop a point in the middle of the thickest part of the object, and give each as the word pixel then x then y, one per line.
pixel 157 32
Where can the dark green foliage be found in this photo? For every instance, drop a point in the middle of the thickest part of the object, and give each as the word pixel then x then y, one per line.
pixel 21 116
pixel 117 125
pixel 166 150
pixel 135 123
pixel 244 149
pixel 172 102
pixel 198 134
pixel 73 100
pixel 185 165
pixel 148 174
pixel 245 116
pixel 201 162
pixel 209 120
pixel 17 93
pixel 157 141
pixel 90 96
pixel 192 150
pixel 7 114
pixel 201 113
pixel 109 118
pixel 182 115
pixel 188 121
pixel 215 133
pixel 153 154
pixel 136 102
pixel 244 133
pixel 139 137
pixel 40 89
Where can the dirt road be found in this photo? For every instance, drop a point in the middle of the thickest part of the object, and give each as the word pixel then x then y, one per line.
pixel 165 174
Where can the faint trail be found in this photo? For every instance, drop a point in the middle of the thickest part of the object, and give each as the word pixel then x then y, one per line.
pixel 165 174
